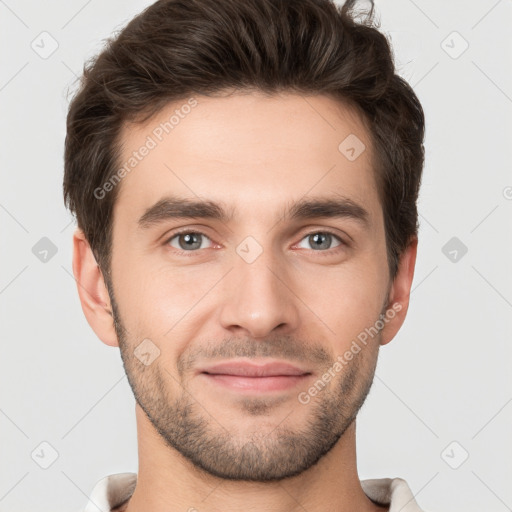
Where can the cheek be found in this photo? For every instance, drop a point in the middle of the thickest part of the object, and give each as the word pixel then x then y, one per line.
pixel 349 300
pixel 158 302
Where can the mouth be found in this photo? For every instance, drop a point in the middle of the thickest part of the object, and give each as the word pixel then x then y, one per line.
pixel 258 384
pixel 247 377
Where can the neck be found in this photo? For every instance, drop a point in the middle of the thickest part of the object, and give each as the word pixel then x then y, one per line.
pixel 168 482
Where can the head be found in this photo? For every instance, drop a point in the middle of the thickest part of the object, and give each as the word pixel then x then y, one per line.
pixel 245 177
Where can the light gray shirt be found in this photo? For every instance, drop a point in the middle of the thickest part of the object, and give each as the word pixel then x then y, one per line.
pixel 114 490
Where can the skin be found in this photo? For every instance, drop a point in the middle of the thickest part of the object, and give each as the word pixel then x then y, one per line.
pixel 202 446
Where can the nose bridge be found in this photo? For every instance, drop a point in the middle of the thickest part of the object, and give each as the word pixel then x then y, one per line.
pixel 258 299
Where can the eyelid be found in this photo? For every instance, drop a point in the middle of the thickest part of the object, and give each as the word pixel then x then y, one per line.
pixel 185 231
pixel 342 240
pixel 312 231
pixel 169 235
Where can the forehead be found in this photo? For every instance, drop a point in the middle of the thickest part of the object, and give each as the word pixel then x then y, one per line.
pixel 246 150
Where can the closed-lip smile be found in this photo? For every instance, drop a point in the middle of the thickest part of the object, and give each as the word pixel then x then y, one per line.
pixel 245 369
pixel 242 376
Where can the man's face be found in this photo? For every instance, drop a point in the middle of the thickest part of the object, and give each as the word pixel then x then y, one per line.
pixel 259 285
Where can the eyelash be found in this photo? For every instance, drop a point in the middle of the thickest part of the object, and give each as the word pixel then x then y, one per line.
pixel 326 252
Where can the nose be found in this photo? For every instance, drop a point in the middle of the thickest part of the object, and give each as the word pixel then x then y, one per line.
pixel 259 298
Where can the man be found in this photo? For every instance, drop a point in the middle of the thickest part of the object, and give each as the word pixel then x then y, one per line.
pixel 245 178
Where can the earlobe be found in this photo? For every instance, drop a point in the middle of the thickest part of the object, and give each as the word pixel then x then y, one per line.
pixel 92 290
pixel 399 293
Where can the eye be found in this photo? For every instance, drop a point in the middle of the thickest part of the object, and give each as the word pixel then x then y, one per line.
pixel 321 240
pixel 188 241
pixel 191 241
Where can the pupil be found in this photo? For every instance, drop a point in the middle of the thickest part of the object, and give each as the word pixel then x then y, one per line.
pixel 321 238
pixel 190 241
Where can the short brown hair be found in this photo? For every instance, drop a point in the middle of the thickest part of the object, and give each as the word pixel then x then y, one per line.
pixel 176 48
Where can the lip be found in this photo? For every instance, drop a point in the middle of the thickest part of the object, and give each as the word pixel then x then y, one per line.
pixel 256 384
pixel 243 368
pixel 242 376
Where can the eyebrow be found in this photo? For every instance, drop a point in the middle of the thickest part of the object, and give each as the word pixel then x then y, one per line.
pixel 182 208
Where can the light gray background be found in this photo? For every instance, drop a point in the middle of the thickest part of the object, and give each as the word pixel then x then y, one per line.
pixel 444 378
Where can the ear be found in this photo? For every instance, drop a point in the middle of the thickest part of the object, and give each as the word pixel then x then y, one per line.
pixel 92 290
pixel 400 290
